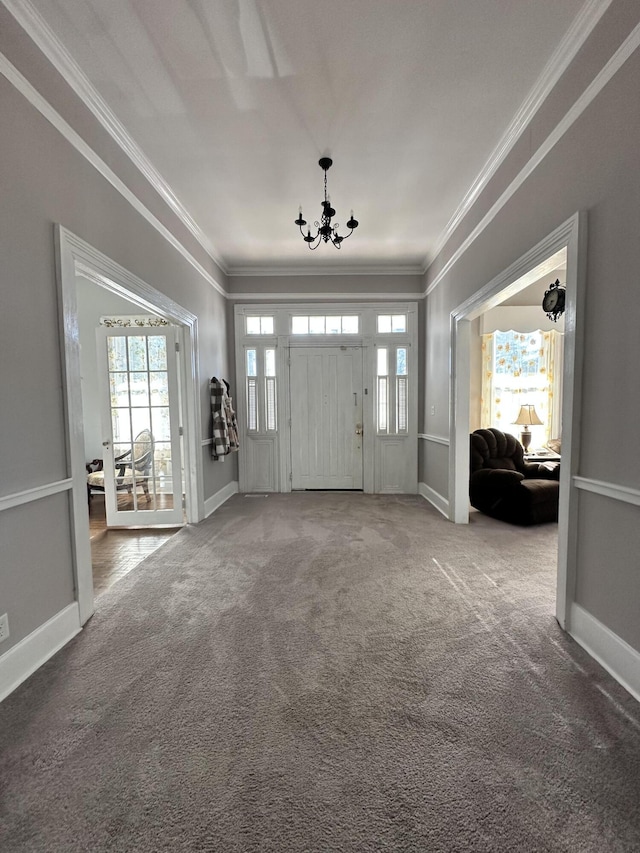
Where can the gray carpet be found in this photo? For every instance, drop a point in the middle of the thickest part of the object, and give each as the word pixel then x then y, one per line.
pixel 317 672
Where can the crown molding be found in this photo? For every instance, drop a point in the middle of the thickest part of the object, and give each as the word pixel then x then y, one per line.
pixel 355 269
pixel 561 58
pixel 20 82
pixel 41 33
pixel 324 296
pixel 606 73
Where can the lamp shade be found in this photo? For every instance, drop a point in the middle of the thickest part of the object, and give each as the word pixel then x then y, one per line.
pixel 527 416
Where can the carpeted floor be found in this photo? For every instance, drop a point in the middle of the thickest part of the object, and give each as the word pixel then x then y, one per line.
pixel 317 672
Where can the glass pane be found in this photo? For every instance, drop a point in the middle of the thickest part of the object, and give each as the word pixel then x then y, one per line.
pixel 266 325
pixel 161 427
pixel 269 362
pixel 401 396
pixel 270 394
pixel 139 389
pixel 162 462
pixel 316 325
pixel 399 323
pixel 384 323
pixel 140 419
pixel 401 366
pixel 159 388
pixel 383 368
pixel 120 449
pixel 334 325
pixel 382 403
pixel 299 325
pixel 117 353
pixel 157 352
pixel 253 325
pixel 252 405
pixel 137 353
pixel 252 363
pixel 350 325
pixel 119 389
pixel 120 425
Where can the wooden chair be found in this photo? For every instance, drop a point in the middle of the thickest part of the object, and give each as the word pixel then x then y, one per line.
pixel 132 467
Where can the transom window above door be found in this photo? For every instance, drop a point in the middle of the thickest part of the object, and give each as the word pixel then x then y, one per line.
pixel 392 324
pixel 259 325
pixel 342 324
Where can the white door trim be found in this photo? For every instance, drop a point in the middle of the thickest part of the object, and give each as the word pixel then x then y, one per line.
pixel 367 338
pixel 571 235
pixel 76 257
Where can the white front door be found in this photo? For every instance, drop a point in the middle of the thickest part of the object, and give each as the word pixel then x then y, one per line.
pixel 140 426
pixel 326 417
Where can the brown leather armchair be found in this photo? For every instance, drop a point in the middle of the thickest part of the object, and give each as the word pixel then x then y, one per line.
pixel 506 487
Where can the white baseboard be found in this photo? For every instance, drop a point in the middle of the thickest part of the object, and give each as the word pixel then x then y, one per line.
pixel 620 659
pixel 30 653
pixel 434 498
pixel 211 504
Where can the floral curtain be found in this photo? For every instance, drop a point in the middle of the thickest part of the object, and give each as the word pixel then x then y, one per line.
pixel 519 368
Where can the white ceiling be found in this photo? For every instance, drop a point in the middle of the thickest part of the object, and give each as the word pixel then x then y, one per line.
pixel 234 101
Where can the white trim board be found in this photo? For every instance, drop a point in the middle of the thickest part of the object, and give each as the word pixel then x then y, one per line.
pixel 74 258
pixel 434 498
pixel 620 659
pixel 608 490
pixel 41 33
pixel 35 494
pixel 563 55
pixel 326 296
pixel 626 49
pixel 571 237
pixel 45 109
pixel 436 439
pixel 346 269
pixel 28 655
pixel 221 496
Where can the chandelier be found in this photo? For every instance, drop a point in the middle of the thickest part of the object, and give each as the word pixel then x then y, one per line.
pixel 326 231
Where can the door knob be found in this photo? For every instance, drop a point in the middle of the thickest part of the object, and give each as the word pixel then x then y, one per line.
pixel 106 443
pixel 359 429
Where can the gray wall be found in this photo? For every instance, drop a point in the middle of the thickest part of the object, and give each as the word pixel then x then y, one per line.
pixel 366 286
pixel 594 167
pixel 44 181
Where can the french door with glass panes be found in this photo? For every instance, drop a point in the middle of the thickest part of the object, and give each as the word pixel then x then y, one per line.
pixel 140 421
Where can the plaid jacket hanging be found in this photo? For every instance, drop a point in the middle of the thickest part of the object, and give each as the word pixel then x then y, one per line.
pixel 224 426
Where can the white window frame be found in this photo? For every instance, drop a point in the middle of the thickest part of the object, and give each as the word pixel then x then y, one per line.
pixel 271 451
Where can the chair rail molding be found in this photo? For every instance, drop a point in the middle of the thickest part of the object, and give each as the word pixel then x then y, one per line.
pixel 436 439
pixel 609 490
pixel 35 494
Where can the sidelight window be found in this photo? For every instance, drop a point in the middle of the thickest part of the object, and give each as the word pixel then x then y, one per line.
pixel 392 390
pixel 261 389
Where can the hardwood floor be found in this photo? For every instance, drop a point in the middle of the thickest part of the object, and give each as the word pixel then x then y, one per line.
pixel 114 553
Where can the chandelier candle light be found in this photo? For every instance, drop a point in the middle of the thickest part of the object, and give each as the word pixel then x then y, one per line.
pixel 326 231
pixel 527 416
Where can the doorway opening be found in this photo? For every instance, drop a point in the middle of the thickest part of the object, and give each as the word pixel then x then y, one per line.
pixel 136 415
pixel 568 241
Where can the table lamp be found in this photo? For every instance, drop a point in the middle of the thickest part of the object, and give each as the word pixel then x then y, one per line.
pixel 527 417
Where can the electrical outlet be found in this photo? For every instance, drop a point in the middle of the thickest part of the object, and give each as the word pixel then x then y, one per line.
pixel 4 628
